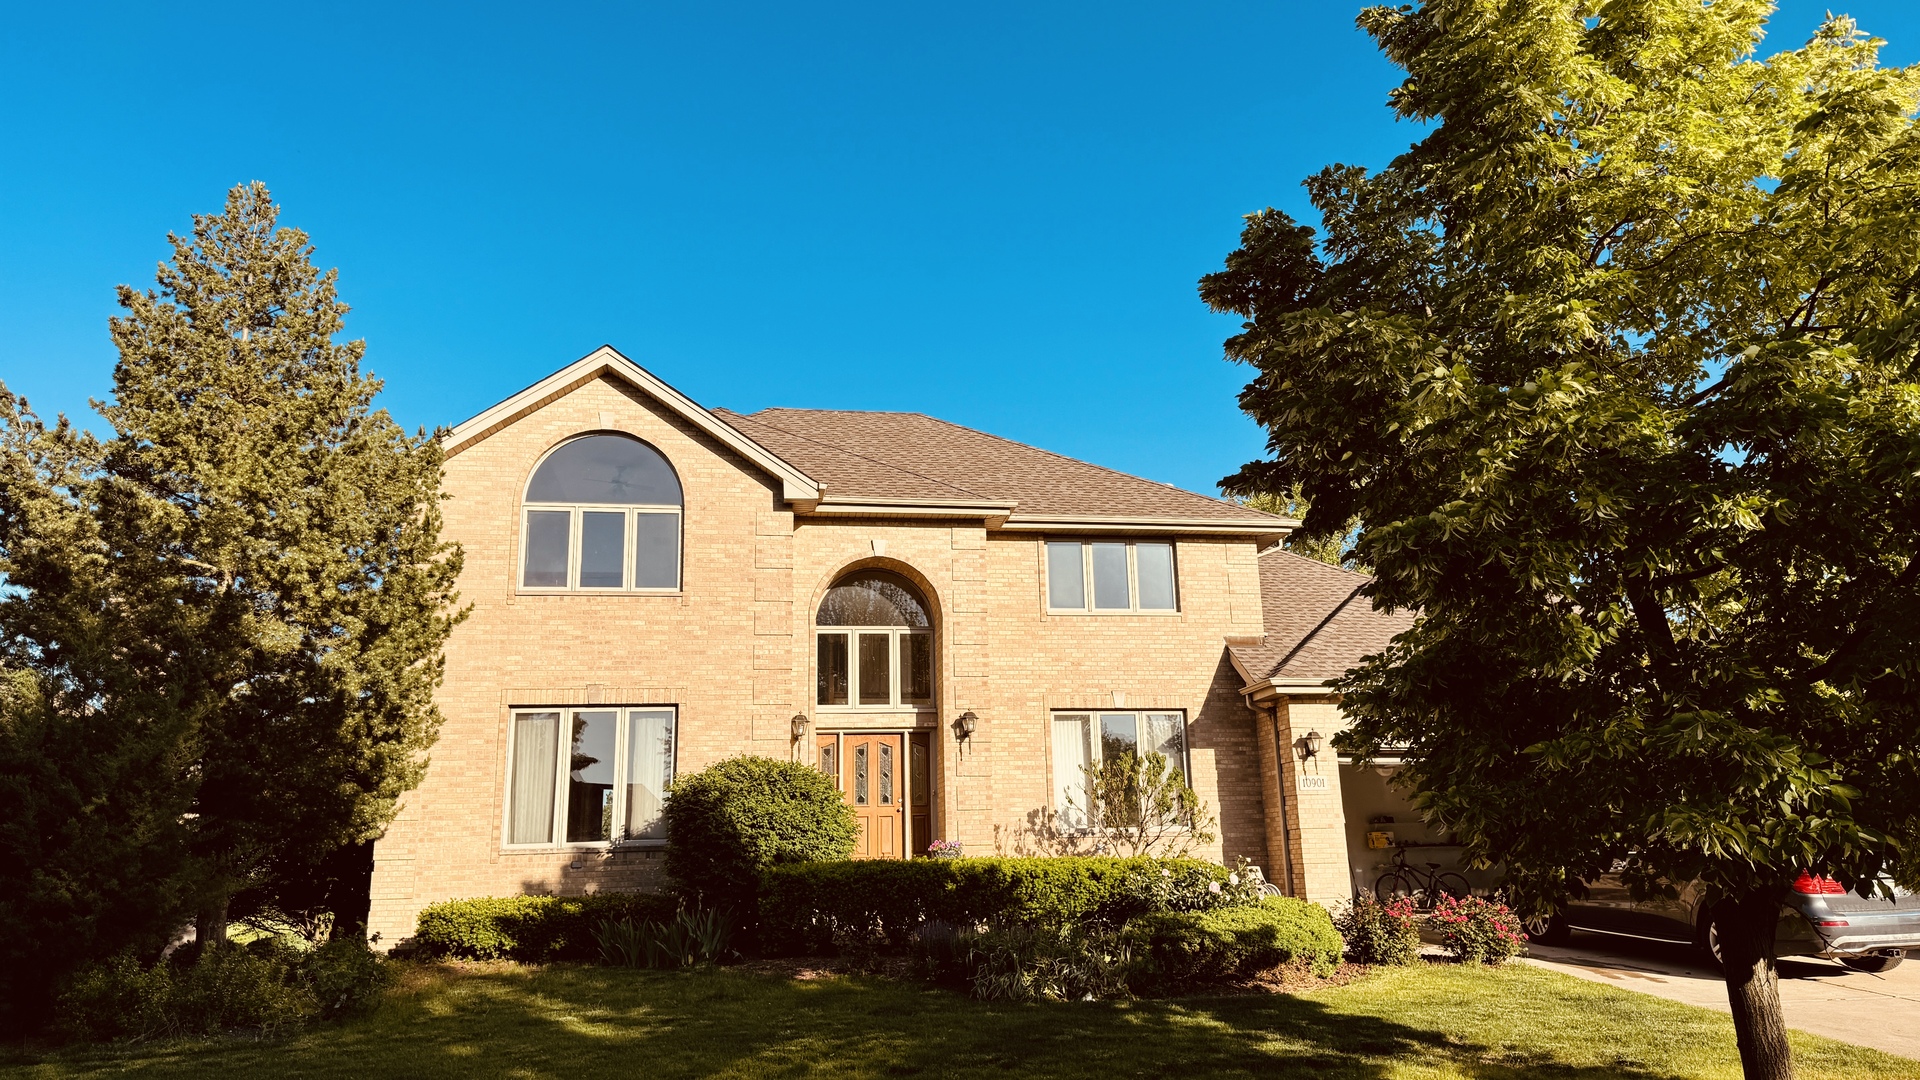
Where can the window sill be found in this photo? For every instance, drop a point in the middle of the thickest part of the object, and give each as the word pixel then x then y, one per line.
pixel 858 710
pixel 527 590
pixel 1111 612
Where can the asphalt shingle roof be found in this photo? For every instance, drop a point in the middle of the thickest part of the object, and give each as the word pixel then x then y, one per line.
pixel 1317 624
pixel 888 455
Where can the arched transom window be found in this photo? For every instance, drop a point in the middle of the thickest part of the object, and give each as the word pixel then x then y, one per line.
pixel 602 515
pixel 875 644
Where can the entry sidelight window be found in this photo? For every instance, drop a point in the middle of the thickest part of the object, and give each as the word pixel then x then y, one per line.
pixel 588 775
pixel 873 644
pixel 1087 744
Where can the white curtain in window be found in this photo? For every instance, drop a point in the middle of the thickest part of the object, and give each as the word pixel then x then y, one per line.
pixel 1165 734
pixel 536 739
pixel 649 771
pixel 1070 759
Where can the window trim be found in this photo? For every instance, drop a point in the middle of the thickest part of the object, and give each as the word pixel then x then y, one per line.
pixel 1095 751
pixel 620 752
pixel 896 678
pixel 1087 584
pixel 576 517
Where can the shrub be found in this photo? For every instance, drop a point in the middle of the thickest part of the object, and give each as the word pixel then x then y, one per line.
pixel 1478 931
pixel 1179 947
pixel 1378 933
pixel 730 822
pixel 261 986
pixel 1014 962
pixel 688 939
pixel 531 929
pixel 805 908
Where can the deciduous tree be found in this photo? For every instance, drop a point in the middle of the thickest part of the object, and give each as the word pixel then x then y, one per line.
pixel 1618 366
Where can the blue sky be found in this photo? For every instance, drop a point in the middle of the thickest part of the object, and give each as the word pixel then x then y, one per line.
pixel 993 214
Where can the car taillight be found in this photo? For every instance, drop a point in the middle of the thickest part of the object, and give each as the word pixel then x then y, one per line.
pixel 1808 885
pixel 1831 922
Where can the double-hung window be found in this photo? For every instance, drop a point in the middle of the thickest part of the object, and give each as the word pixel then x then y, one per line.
pixel 595 775
pixel 602 515
pixel 1087 742
pixel 1114 577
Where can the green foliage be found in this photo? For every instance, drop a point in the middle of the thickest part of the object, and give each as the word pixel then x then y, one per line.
pixel 1177 948
pixel 231 610
pixel 1333 548
pixel 531 929
pixel 1062 962
pixel 731 821
pixel 263 986
pixel 807 908
pixel 1478 931
pixel 688 939
pixel 1132 805
pixel 1618 367
pixel 1380 933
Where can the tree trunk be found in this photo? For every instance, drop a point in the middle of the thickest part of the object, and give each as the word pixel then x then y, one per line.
pixel 210 925
pixel 1746 925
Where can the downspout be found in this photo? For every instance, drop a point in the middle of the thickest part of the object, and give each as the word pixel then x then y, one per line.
pixel 1280 750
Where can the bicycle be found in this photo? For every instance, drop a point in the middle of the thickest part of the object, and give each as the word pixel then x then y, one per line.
pixel 1424 887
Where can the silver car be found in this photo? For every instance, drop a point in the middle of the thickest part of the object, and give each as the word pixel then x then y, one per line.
pixel 1819 919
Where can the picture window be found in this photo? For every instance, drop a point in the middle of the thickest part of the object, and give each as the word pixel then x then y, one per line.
pixel 588 775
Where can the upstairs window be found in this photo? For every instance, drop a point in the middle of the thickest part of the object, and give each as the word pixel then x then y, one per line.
pixel 875 644
pixel 602 515
pixel 1113 577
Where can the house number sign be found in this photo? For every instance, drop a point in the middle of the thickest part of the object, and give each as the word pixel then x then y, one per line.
pixel 1314 783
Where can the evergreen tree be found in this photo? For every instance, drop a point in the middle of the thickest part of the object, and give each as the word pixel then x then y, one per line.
pixel 255 574
pixel 1618 366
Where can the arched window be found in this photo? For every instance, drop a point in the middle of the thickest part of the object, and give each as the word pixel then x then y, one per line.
pixel 603 515
pixel 875 644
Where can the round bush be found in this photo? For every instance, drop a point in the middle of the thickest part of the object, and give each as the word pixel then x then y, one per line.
pixel 729 822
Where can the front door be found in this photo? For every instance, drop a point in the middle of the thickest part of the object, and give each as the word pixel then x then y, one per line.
pixel 872 773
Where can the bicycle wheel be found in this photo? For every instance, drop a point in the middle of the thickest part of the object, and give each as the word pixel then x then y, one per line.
pixel 1451 884
pixel 1392 886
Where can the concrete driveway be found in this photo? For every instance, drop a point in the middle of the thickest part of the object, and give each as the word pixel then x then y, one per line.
pixel 1820 996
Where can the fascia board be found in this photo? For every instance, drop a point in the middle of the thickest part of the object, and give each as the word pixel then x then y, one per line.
pixel 1271 528
pixel 796 486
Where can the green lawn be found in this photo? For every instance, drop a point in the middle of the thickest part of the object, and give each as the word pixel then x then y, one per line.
pixel 579 1022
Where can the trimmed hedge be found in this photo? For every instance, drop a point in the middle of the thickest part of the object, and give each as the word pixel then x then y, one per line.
pixel 805 907
pixel 730 821
pixel 531 929
pixel 1171 948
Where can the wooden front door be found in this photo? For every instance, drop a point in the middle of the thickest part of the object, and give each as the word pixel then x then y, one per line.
pixel 872 771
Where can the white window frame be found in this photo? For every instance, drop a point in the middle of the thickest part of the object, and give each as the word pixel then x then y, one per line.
pixel 1091 734
pixel 895 654
pixel 1086 578
pixel 631 550
pixel 556 840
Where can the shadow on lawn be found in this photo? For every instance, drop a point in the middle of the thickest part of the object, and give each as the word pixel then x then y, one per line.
pixel 584 1023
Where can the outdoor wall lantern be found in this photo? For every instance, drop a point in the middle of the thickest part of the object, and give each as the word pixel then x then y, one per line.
pixel 963 725
pixel 1309 745
pixel 799 726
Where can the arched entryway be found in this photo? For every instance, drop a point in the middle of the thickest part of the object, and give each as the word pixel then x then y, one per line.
pixel 873 703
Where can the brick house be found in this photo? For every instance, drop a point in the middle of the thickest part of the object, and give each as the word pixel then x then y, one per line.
pixel 656 586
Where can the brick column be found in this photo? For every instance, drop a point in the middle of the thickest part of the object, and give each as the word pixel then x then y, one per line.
pixel 1312 790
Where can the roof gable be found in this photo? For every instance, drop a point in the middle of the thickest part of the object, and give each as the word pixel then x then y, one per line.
pixel 796 486
pixel 1318 625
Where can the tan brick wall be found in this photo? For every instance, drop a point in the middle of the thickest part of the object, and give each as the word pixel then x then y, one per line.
pixel 734 651
pixel 1318 835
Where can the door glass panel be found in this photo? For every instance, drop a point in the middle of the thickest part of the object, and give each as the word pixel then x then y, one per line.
pixel 536 737
pixel 860 775
pixel 833 669
pixel 603 542
pixel 1070 760
pixel 830 764
pixel 1110 577
pixel 1066 577
pixel 876 669
pixel 649 771
pixel 590 778
pixel 886 774
pixel 916 669
pixel 1154 563
pixel 656 551
pixel 547 548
